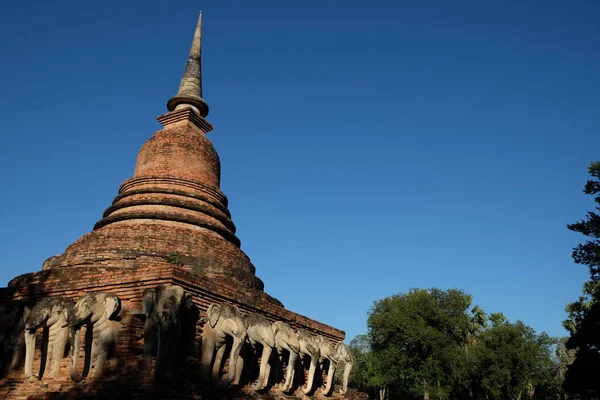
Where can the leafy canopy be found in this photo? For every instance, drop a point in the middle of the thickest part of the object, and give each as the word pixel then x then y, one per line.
pixel 583 321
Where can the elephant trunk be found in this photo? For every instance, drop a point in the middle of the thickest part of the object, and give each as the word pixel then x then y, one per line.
pixel 314 360
pixel 75 347
pixel 162 355
pixel 29 350
pixel 291 368
pixel 347 369
pixel 238 342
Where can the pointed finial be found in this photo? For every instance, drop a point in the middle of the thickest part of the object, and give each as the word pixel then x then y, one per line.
pixel 190 89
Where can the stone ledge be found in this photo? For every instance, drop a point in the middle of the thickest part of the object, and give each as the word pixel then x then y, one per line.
pixel 176 203
pixel 185 114
pixel 131 183
pixel 74 281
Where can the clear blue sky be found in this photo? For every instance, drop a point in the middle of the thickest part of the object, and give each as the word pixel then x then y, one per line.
pixel 367 147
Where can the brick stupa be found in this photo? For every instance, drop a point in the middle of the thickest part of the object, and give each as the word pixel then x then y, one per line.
pixel 169 223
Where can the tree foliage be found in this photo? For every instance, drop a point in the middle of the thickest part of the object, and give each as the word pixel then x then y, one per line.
pixel 512 361
pixel 433 344
pixel 583 322
pixel 426 327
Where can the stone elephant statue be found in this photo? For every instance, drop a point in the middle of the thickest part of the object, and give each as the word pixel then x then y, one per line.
pixel 164 307
pixel 259 331
pixel 335 353
pixel 223 320
pixel 53 313
pixel 95 310
pixel 12 339
pixel 309 348
pixel 286 340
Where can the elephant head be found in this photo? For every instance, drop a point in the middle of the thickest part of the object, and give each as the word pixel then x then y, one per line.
pixel 335 354
pixel 164 307
pixel 8 319
pixel 310 348
pixel 12 342
pixel 53 313
pixel 94 309
pixel 12 314
pixel 344 354
pixel 223 320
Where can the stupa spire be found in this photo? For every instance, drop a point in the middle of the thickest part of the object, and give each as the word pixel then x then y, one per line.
pixel 190 88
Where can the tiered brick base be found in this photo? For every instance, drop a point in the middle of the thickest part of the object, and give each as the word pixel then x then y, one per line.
pixel 122 378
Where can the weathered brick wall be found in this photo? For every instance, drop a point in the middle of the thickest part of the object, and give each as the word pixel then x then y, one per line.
pixel 142 242
pixel 124 367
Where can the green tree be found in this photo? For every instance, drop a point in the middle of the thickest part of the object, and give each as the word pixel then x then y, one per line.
pixel 432 344
pixel 417 341
pixel 498 319
pixel 364 375
pixel 512 360
pixel 563 357
pixel 477 325
pixel 583 321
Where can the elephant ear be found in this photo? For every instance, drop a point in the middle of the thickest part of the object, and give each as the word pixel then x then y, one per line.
pixel 148 301
pixel 339 349
pixel 25 314
pixel 112 304
pixel 187 301
pixel 343 352
pixel 67 315
pixel 214 312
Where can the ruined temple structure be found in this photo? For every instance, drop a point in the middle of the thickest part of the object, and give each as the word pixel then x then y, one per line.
pixel 159 300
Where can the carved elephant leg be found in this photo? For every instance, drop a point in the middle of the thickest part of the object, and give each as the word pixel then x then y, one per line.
pixel 102 348
pixel 208 348
pixel 16 357
pixel 238 371
pixel 270 379
pixel 29 350
pixel 263 376
pixel 277 365
pixel 217 363
pixel 234 357
pixel 311 374
pixel 251 354
pixel 150 346
pixel 268 373
pixel 330 372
